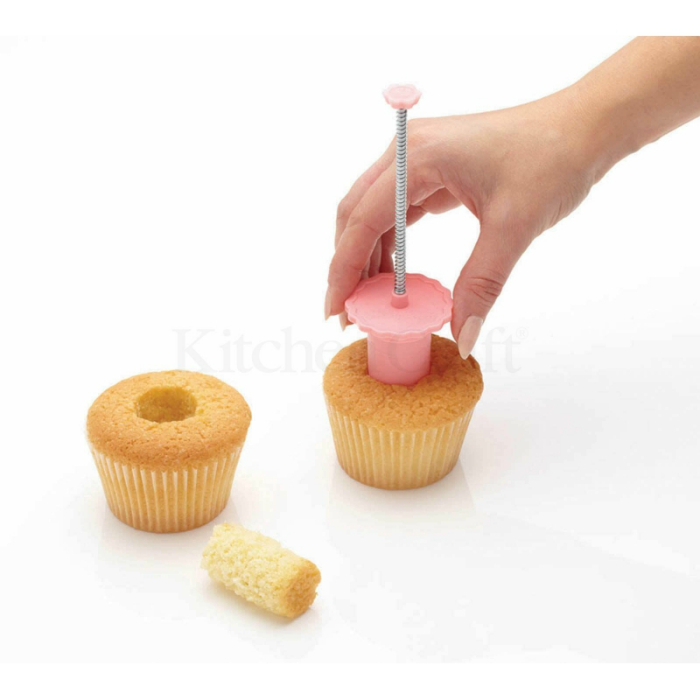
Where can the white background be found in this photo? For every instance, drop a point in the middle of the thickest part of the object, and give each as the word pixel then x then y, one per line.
pixel 155 185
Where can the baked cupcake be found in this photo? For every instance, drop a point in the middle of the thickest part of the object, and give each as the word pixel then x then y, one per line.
pixel 401 437
pixel 166 446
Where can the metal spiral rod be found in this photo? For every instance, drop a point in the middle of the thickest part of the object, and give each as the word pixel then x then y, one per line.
pixel 400 221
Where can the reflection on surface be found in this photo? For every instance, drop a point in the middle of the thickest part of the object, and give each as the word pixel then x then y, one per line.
pixel 129 561
pixel 127 558
pixel 428 577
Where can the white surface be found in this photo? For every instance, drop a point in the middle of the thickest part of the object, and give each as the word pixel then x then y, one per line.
pixel 149 186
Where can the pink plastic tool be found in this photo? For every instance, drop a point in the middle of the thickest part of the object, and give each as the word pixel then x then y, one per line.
pixel 400 311
pixel 402 96
pixel 398 338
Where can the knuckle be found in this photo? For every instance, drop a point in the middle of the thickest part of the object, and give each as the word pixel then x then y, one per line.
pixel 418 140
pixel 418 124
pixel 343 210
pixel 419 134
pixel 343 265
pixel 334 272
pixel 488 289
pixel 366 229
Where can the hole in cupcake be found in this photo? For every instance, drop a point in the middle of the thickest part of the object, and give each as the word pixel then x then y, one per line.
pixel 164 404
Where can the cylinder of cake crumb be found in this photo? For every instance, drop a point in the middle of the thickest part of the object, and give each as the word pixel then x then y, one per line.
pixel 260 570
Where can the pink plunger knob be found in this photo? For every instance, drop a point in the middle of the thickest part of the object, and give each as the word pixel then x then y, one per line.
pixel 402 96
pixel 398 336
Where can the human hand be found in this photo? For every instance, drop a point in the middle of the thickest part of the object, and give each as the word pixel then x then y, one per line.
pixel 519 171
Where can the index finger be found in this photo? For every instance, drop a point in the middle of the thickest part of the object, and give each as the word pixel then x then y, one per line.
pixel 359 188
pixel 373 216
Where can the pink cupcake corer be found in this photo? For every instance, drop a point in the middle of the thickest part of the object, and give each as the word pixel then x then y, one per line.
pixel 399 311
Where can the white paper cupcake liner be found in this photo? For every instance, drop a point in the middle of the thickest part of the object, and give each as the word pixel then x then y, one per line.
pixel 166 501
pixel 393 459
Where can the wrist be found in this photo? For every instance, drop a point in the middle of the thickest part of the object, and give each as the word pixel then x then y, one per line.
pixel 601 130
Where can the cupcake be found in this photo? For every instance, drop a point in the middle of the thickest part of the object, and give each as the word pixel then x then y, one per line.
pixel 166 446
pixel 401 437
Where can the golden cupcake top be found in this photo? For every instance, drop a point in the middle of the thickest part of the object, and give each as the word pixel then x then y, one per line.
pixel 452 388
pixel 163 420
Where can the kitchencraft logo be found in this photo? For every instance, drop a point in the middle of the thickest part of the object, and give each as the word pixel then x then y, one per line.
pixel 212 350
pixel 497 348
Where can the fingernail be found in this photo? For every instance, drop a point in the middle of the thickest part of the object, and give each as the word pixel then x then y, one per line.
pixel 327 306
pixel 343 318
pixel 468 335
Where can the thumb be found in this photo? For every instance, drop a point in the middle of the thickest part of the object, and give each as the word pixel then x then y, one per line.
pixel 480 283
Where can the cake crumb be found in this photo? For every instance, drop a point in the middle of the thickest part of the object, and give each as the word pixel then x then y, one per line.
pixel 260 570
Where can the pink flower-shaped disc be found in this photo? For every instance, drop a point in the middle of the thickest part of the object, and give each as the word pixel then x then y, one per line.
pixel 402 96
pixel 399 336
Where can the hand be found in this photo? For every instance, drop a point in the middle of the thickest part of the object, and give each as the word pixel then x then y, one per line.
pixel 519 171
